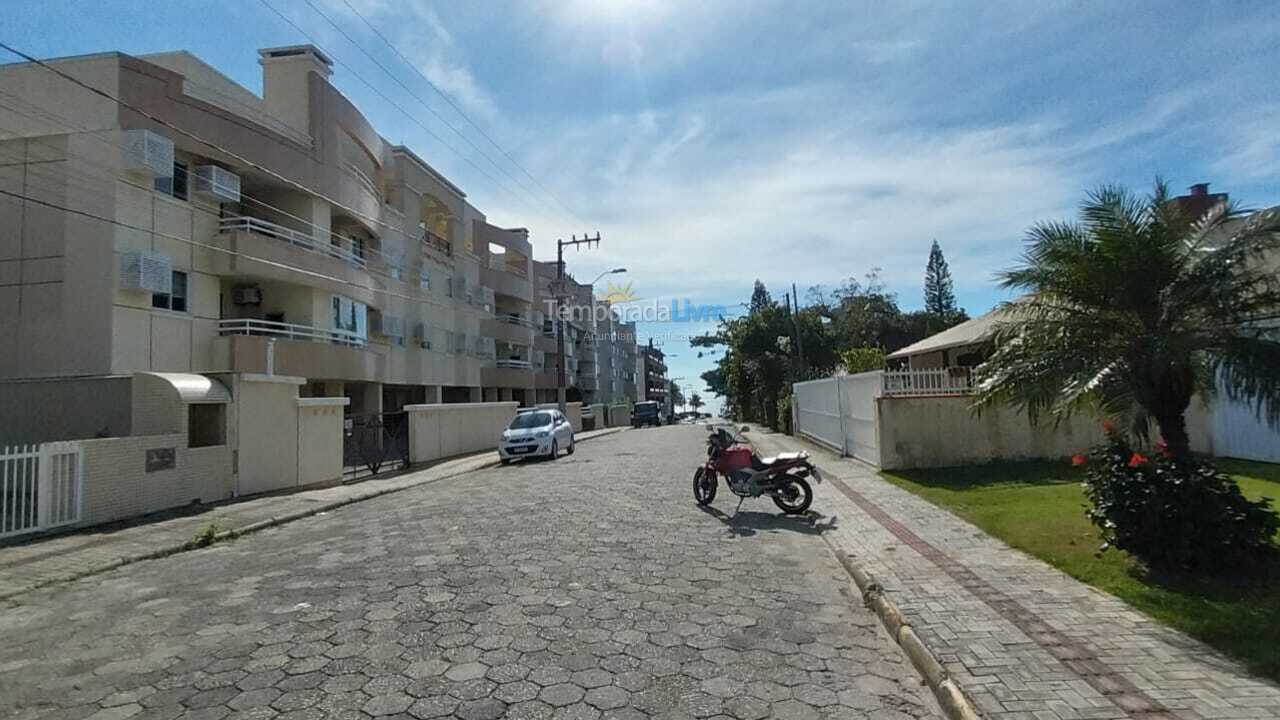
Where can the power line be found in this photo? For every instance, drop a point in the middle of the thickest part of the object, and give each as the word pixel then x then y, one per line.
pixel 93 188
pixel 497 183
pixel 187 133
pixel 421 102
pixel 110 176
pixel 458 109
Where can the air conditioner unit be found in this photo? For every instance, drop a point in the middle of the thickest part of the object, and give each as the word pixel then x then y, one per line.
pixel 246 296
pixel 140 270
pixel 217 183
pixel 148 153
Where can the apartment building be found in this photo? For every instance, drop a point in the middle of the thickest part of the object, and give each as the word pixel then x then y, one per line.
pixel 235 233
pixel 651 374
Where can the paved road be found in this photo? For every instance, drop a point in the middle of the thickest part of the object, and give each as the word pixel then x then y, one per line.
pixel 587 587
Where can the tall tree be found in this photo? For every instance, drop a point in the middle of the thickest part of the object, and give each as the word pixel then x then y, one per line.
pixel 939 295
pixel 1135 308
pixel 760 298
pixel 695 402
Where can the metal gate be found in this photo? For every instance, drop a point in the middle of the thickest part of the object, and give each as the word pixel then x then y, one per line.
pixel 41 486
pixel 375 443
pixel 841 412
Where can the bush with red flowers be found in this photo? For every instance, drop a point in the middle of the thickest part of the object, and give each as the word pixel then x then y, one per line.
pixel 1173 513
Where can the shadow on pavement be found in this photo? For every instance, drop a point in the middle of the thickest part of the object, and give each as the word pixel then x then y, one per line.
pixel 746 523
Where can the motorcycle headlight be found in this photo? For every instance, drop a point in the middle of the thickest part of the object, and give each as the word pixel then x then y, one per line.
pixel 544 434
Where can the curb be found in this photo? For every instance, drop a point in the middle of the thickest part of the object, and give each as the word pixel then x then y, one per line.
pixel 955 704
pixel 233 533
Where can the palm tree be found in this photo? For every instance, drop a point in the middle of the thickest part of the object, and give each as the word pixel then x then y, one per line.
pixel 1136 308
pixel 695 402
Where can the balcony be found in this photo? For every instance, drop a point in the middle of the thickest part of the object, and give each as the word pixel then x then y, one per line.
pixel 289 331
pixel 505 282
pixel 508 373
pixel 508 328
pixel 298 350
pixel 436 242
pixel 925 383
pixel 296 238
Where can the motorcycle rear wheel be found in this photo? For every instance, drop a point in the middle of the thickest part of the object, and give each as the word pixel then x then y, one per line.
pixel 704 486
pixel 795 497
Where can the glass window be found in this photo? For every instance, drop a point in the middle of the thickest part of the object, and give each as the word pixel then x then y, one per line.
pixel 524 421
pixel 175 186
pixel 175 300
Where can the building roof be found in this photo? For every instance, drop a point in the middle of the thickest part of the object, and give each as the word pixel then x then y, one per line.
pixel 968 332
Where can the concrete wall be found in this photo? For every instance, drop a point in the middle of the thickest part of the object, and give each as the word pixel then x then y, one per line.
pixel 619 415
pixel 443 430
pixel 572 410
pixel 599 416
pixel 118 486
pixel 320 439
pixel 266 415
pixel 943 431
pixel 46 410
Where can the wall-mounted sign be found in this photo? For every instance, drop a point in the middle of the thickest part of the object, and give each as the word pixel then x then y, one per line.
pixel 161 459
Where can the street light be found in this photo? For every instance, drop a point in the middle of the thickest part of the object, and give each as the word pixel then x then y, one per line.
pixel 615 271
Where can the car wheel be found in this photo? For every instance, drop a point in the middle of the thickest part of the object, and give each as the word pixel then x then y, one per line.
pixel 570 450
pixel 555 450
pixel 504 461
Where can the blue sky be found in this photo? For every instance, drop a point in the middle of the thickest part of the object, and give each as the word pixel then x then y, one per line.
pixel 716 142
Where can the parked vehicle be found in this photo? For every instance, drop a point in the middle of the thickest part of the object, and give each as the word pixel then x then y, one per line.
pixel 536 433
pixel 646 412
pixel 748 475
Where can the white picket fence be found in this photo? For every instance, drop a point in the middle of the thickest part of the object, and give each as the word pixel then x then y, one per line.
pixel 917 383
pixel 41 486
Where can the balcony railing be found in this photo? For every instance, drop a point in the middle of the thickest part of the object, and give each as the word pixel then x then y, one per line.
pixel 917 383
pixel 289 331
pixel 513 319
pixel 435 241
pixel 297 238
pixel 513 364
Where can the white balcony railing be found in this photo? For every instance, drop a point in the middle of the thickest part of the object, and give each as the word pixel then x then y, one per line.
pixel 915 383
pixel 513 364
pixel 514 319
pixel 289 331
pixel 297 238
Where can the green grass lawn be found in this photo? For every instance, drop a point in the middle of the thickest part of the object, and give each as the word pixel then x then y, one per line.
pixel 1038 507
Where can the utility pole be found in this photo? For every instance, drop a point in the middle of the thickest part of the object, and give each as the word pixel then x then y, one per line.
pixel 795 323
pixel 560 294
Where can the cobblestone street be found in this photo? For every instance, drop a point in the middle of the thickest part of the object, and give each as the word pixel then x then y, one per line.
pixel 591 586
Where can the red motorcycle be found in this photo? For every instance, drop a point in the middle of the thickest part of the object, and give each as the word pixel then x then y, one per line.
pixel 749 475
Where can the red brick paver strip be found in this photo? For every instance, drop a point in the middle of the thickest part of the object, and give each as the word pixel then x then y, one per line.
pixel 1022 639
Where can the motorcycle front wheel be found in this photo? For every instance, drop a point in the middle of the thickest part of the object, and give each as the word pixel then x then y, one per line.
pixel 704 486
pixel 794 497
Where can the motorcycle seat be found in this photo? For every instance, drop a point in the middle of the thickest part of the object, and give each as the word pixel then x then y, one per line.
pixel 786 456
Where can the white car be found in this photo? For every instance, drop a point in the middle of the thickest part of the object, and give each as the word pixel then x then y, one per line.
pixel 536 433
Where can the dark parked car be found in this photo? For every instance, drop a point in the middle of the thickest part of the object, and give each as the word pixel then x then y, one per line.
pixel 646 413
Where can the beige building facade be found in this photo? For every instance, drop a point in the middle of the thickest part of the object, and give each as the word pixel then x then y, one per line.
pixel 195 227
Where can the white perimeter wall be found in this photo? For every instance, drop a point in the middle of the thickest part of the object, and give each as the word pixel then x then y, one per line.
pixel 442 430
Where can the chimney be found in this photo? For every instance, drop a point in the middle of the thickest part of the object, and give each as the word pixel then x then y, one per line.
pixel 286 82
pixel 1199 190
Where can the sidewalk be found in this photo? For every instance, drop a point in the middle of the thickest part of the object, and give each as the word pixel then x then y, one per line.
pixel 1022 639
pixel 66 557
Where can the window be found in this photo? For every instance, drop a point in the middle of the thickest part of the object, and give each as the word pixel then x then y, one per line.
pixel 206 425
pixel 175 300
pixel 175 186
pixel 424 277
